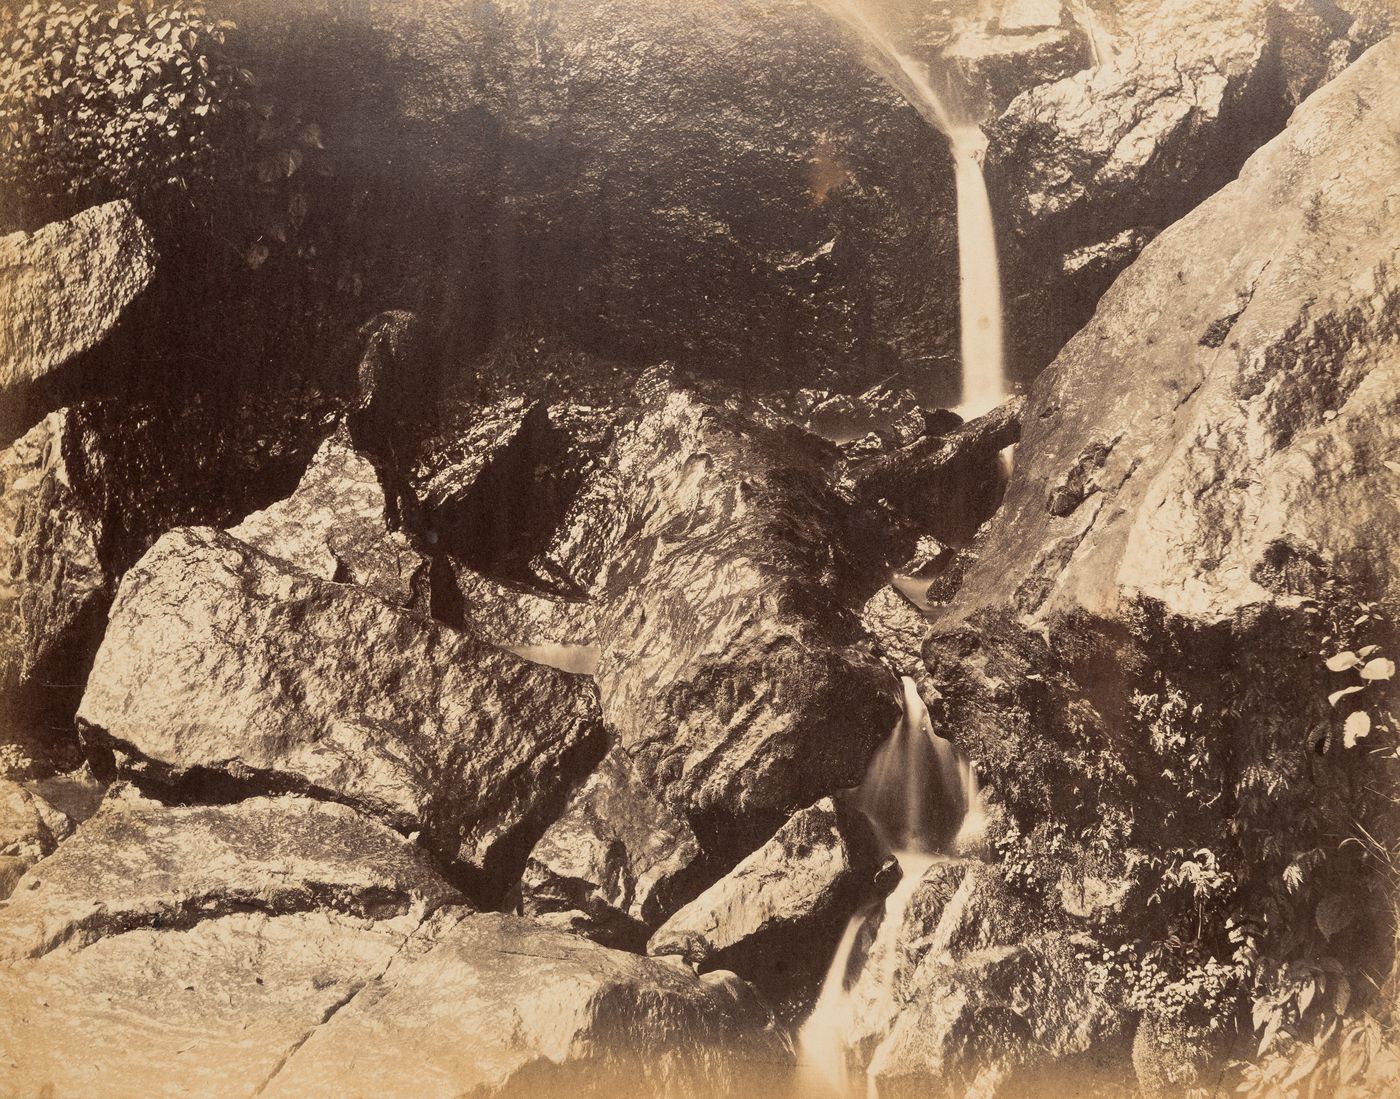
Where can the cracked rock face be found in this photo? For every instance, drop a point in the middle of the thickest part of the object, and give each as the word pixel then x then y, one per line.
pixel 54 580
pixel 226 1001
pixel 138 864
pixel 733 672
pixel 1231 406
pixel 619 854
pixel 497 1006
pixel 1091 165
pixel 64 287
pixel 222 666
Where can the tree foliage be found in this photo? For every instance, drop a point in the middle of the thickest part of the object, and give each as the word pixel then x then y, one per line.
pixel 98 101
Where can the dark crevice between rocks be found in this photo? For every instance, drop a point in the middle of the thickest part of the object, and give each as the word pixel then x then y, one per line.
pixel 512 508
pixel 488 887
pixel 372 903
pixel 491 886
pixel 37 714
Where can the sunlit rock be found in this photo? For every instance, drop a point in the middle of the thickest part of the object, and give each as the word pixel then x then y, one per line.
pixel 723 567
pixel 225 1002
pixel 138 863
pixel 492 1005
pixel 226 668
pixel 338 525
pixel 777 915
pixel 619 854
pixel 65 287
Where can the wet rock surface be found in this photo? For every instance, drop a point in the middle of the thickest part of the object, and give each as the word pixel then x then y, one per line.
pixel 737 682
pixel 340 525
pixel 1185 489
pixel 225 668
pixel 64 287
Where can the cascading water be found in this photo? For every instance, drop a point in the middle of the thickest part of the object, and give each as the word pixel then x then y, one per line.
pixel 983 369
pixel 919 794
pixel 922 799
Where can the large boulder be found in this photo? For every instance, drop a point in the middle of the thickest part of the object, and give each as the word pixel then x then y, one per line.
pixel 776 917
pixel 1214 411
pixel 1084 169
pixel 138 863
pixel 224 669
pixel 65 287
pixel 83 494
pixel 496 1006
pixel 54 585
pixel 725 580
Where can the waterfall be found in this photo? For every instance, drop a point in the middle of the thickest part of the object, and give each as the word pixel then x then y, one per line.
pixel 1100 44
pixel 921 797
pixel 983 368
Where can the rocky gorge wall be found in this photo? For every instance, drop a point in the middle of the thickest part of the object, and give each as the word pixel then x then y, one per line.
pixel 471 713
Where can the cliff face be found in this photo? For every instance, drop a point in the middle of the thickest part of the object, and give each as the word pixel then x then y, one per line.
pixel 1196 544
pixel 729 186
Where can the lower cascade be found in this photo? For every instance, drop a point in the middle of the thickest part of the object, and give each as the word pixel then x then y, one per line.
pixel 921 796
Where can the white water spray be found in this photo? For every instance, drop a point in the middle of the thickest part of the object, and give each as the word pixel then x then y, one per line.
pixel 922 799
pixel 983 368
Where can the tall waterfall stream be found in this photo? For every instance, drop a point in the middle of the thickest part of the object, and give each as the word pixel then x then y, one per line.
pixel 919 794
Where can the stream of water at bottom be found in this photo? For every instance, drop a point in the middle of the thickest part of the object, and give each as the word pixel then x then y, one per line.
pixel 921 797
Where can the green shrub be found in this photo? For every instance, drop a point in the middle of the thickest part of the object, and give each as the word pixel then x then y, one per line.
pixel 99 101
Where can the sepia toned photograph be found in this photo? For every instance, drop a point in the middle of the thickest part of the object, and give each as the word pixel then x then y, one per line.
pixel 699 549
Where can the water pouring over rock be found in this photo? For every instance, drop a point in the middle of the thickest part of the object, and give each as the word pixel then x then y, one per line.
pixel 983 368
pixel 921 796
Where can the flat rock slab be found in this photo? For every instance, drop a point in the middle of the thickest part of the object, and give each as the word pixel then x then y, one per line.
pixel 498 1006
pixel 224 666
pixel 65 286
pixel 138 863
pixel 208 1011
